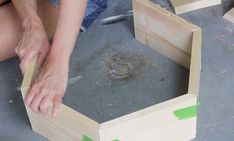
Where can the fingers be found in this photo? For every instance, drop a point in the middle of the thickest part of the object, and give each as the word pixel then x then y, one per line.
pixel 44 104
pixel 57 104
pixel 31 46
pixel 39 101
pixel 35 104
pixel 18 52
pixel 33 91
pixel 28 56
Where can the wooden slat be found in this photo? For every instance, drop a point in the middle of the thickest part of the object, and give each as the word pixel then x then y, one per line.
pixel 158 119
pixel 163 31
pixel 230 15
pixel 185 131
pixel 68 124
pixel 183 6
pixel 195 69
pixel 178 56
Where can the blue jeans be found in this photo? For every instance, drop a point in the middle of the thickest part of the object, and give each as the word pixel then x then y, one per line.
pixel 94 9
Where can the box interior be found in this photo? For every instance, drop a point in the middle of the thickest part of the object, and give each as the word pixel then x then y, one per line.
pixel 95 91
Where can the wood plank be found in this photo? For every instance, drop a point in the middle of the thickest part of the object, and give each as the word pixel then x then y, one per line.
pixel 71 125
pixel 195 70
pixel 181 132
pixel 163 31
pixel 68 124
pixel 158 119
pixel 164 48
pixel 230 15
pixel 183 6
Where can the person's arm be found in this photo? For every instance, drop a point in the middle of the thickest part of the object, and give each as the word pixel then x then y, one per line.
pixel 34 41
pixel 69 22
pixel 27 9
pixel 52 81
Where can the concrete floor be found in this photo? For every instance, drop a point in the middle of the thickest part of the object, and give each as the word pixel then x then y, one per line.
pixel 216 115
pixel 93 92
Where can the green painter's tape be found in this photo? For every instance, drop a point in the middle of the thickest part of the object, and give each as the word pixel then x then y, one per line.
pixel 85 138
pixel 187 113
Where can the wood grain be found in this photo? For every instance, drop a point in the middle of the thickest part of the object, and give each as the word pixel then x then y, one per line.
pixel 163 31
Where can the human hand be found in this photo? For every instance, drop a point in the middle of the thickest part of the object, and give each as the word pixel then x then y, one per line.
pixel 48 88
pixel 34 42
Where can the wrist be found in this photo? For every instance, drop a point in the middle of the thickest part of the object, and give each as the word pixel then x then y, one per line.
pixel 59 59
pixel 32 21
pixel 57 66
pixel 59 53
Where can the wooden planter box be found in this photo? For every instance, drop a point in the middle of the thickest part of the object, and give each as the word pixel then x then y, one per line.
pixel 174 119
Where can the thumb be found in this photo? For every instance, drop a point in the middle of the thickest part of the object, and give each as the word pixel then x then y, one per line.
pixel 26 60
pixel 43 54
pixel 42 58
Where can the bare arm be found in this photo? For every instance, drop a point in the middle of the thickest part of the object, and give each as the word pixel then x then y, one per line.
pixel 27 9
pixel 34 41
pixel 70 18
pixel 51 83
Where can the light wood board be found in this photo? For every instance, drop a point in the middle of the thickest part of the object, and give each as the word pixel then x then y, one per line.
pixel 183 6
pixel 152 123
pixel 195 67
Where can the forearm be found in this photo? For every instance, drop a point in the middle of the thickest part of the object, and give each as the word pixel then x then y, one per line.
pixel 27 10
pixel 69 21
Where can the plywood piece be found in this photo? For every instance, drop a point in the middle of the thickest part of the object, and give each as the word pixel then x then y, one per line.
pixel 195 67
pixel 68 123
pixel 158 119
pixel 183 6
pixel 180 132
pixel 230 15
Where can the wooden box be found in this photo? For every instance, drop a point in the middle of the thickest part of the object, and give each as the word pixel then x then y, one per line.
pixel 174 119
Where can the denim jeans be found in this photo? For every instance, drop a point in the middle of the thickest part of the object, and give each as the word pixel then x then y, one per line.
pixel 94 9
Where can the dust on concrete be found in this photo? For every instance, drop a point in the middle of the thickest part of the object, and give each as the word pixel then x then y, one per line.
pixel 228 50
pixel 228 32
pixel 134 65
pixel 74 79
